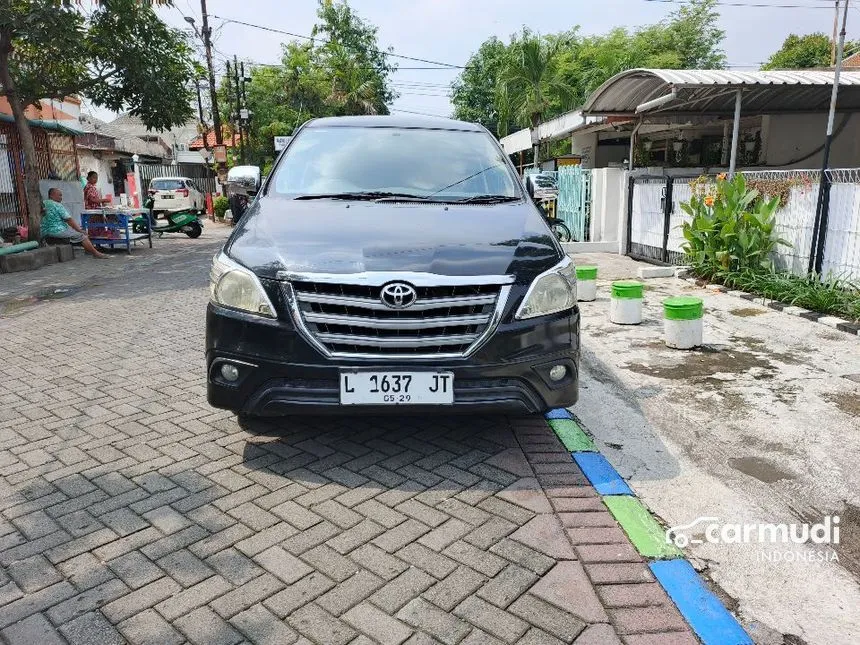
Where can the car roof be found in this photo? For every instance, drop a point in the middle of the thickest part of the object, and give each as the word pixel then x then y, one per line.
pixel 395 121
pixel 172 178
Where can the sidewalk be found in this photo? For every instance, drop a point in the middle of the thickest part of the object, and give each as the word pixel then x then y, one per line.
pixel 19 290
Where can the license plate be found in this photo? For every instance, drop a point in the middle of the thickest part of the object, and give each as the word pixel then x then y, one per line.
pixel 396 388
pixel 167 196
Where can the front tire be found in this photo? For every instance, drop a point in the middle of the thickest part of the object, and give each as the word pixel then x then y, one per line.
pixel 561 231
pixel 195 230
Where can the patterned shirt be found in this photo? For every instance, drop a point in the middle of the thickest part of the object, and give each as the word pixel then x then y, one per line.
pixel 92 197
pixel 55 218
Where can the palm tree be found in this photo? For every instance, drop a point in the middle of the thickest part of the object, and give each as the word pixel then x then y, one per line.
pixel 531 79
pixel 353 90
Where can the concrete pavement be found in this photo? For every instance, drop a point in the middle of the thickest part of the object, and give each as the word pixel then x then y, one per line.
pixel 761 425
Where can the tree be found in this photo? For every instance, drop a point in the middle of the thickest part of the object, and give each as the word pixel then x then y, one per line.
pixel 531 78
pixel 119 55
pixel 342 71
pixel 473 93
pixel 801 52
pixel 689 37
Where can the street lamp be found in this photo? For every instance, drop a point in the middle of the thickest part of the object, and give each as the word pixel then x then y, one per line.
pixel 190 21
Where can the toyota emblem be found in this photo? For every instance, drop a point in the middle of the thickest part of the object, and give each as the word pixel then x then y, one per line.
pixel 398 295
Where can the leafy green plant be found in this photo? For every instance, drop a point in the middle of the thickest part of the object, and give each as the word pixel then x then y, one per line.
pixel 220 206
pixel 825 294
pixel 731 229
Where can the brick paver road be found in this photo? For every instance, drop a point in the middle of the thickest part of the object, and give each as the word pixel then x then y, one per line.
pixel 133 512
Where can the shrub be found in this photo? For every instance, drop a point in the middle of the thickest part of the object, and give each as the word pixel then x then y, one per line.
pixel 731 229
pixel 220 206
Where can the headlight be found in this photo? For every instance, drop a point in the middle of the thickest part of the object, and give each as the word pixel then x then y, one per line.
pixel 552 291
pixel 232 285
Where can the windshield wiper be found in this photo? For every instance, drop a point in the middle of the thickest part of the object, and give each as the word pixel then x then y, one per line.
pixel 486 199
pixel 370 195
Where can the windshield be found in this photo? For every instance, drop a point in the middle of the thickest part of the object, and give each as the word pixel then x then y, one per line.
pixel 166 184
pixel 436 164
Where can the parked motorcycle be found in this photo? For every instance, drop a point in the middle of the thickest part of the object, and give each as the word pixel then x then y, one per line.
pixel 184 221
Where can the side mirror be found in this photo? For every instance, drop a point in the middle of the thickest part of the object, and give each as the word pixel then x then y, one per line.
pixel 530 187
pixel 245 179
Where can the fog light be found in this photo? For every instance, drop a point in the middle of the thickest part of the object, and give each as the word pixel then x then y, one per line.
pixel 557 372
pixel 231 372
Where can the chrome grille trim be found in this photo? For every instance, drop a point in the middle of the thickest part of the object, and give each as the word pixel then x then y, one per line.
pixel 346 334
pixel 373 341
pixel 370 303
pixel 395 323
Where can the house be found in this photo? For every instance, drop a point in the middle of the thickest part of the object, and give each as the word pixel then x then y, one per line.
pixel 110 151
pixel 683 119
pixel 53 124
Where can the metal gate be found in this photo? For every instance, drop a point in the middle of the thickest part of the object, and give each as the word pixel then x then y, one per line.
pixel 574 200
pixel 649 207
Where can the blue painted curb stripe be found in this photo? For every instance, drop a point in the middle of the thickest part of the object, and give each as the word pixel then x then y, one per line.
pixel 699 607
pixel 601 474
pixel 558 413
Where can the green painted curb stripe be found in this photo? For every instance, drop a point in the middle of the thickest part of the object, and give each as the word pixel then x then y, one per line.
pixel 586 272
pixel 682 308
pixel 643 530
pixel 571 435
pixel 627 289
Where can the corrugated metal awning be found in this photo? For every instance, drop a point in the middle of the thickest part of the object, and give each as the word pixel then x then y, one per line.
pixel 712 92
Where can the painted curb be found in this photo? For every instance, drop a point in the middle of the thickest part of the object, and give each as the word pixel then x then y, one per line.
pixel 572 436
pixel 850 328
pixel 702 610
pixel 601 474
pixel 644 532
pixel 713 624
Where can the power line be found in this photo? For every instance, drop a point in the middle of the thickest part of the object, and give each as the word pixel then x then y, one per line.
pixel 760 5
pixel 418 113
pixel 311 38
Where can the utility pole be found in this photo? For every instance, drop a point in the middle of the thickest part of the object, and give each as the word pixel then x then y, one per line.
pixel 213 90
pixel 239 109
pixel 205 130
pixel 245 114
pixel 822 210
pixel 833 40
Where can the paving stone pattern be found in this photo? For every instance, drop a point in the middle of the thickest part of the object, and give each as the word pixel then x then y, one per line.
pixel 131 511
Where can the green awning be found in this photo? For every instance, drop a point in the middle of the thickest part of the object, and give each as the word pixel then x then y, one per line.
pixel 47 124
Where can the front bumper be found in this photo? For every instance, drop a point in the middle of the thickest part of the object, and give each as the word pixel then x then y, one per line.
pixel 280 373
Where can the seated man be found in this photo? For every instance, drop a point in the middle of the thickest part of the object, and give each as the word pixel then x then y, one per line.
pixel 58 223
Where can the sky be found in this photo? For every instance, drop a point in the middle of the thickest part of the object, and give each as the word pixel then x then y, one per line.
pixel 449 31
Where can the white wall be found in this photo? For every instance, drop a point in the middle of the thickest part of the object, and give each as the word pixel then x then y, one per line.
pixel 791 136
pixel 608 205
pixel 585 145
pixel 88 161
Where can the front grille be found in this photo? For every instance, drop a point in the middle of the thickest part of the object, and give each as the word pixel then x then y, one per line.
pixel 350 319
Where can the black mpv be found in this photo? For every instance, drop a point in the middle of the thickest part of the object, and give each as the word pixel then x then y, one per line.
pixel 391 263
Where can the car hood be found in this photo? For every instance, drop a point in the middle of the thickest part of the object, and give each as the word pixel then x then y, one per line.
pixel 330 236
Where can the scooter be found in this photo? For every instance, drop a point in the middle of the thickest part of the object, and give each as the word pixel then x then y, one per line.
pixel 179 222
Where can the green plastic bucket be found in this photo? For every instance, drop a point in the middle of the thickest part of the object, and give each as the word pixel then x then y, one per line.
pixel 682 308
pixel 586 273
pixel 627 289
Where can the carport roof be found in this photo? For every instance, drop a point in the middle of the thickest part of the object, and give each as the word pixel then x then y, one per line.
pixel 712 92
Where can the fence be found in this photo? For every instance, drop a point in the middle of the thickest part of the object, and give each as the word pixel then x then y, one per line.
pixel 56 158
pixel 655 217
pixel 574 200
pixel 203 176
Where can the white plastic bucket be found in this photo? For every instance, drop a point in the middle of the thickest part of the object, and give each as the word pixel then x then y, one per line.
pixel 625 306
pixel 586 290
pixel 586 283
pixel 682 322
